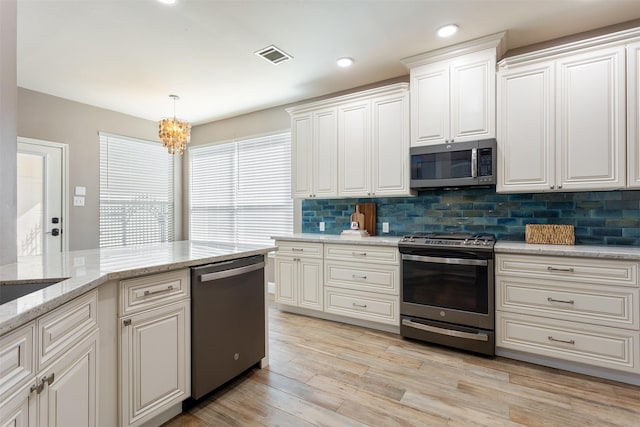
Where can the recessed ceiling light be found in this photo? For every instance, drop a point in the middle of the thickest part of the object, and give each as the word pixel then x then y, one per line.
pixel 447 30
pixel 167 1
pixel 344 62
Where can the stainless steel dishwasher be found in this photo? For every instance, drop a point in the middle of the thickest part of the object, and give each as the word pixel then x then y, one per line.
pixel 227 321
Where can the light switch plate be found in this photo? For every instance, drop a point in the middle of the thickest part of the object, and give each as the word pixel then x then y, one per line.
pixel 81 191
pixel 78 201
pixel 385 227
pixel 322 226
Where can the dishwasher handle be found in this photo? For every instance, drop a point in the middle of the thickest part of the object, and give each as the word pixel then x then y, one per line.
pixel 231 272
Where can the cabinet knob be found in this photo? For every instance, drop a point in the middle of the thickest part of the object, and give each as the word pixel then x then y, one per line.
pixel 551 187
pixel 453 140
pixel 559 186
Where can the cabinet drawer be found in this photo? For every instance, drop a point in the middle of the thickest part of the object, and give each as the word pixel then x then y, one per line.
pixel 362 305
pixel 146 292
pixel 363 276
pixel 62 328
pixel 593 345
pixel 606 306
pixel 17 358
pixel 362 253
pixel 306 249
pixel 581 270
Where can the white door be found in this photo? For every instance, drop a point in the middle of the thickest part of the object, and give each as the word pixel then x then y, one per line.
pixel 633 114
pixel 430 104
pixel 325 149
pixel 354 142
pixel 40 197
pixel 473 97
pixel 301 156
pixel 390 148
pixel 526 156
pixel 591 130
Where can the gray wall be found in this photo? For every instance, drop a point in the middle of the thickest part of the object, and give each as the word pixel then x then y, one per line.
pixel 259 123
pixel 50 118
pixel 8 145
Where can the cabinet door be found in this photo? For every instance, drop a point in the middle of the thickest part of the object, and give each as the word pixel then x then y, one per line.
pixel 354 142
pixel 526 155
pixel 325 158
pixel 591 133
pixel 20 409
pixel 154 361
pixel 633 114
pixel 69 399
pixel 472 91
pixel 390 146
pixel 302 155
pixel 310 283
pixel 286 280
pixel 430 104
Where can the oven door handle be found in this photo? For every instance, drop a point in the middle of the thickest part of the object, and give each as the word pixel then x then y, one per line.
pixel 439 260
pixel 450 332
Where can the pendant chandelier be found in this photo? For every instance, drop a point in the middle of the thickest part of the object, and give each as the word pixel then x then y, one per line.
pixel 173 133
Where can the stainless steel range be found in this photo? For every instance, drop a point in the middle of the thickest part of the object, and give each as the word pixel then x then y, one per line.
pixel 447 293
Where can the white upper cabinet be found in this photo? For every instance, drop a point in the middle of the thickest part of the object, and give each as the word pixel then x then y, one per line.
pixel 591 120
pixel 390 145
pixel 355 145
pixel 526 117
pixel 453 92
pixel 314 154
pixel 633 114
pixel 561 122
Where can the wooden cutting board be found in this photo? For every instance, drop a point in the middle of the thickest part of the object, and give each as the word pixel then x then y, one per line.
pixel 369 211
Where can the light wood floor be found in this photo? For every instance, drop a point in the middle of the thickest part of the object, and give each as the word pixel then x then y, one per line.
pixel 330 374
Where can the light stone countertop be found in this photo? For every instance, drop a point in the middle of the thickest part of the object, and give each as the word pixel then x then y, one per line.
pixel 82 271
pixel 631 253
pixel 336 238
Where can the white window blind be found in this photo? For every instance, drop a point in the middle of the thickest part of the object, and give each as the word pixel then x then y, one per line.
pixel 241 190
pixel 136 192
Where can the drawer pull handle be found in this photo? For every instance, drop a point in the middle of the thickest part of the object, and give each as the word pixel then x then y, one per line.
pixel 355 276
pixel 568 270
pixel 559 300
pixel 359 253
pixel 37 388
pixel 552 339
pixel 359 305
pixel 147 293
pixel 297 250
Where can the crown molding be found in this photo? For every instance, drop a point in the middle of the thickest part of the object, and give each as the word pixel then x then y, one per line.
pixel 496 41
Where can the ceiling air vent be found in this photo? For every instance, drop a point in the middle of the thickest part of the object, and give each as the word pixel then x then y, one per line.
pixel 273 55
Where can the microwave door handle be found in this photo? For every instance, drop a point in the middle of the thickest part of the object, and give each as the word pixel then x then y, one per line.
pixel 474 163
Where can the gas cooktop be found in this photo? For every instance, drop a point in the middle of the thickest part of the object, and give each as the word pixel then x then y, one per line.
pixel 486 240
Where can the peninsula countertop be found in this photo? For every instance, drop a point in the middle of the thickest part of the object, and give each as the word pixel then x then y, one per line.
pixel 80 271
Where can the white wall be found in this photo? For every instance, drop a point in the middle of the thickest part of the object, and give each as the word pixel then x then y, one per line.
pixel 50 118
pixel 8 140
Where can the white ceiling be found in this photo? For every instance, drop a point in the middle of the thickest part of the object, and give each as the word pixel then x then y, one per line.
pixel 129 55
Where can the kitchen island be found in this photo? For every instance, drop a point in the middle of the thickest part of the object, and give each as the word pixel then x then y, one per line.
pixel 115 323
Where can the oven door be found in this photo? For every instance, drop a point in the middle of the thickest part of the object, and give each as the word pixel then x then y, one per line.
pixel 449 286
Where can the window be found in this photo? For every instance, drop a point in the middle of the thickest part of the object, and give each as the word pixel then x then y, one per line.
pixel 136 192
pixel 241 190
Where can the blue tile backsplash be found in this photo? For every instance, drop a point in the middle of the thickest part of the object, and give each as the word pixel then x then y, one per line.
pixel 603 217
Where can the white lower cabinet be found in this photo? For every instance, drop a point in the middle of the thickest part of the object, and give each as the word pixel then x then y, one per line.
pixel 155 356
pixel 69 397
pixel 298 274
pixel 352 281
pixel 569 308
pixel 63 390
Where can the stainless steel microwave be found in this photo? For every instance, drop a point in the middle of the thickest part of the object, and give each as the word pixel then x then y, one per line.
pixel 459 164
